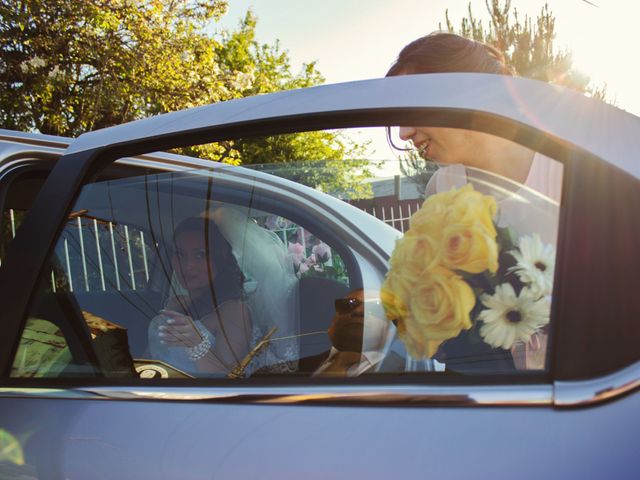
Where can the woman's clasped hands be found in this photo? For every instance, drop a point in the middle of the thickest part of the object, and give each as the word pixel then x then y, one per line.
pixel 178 330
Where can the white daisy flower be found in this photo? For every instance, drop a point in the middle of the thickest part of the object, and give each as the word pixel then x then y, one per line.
pixel 510 318
pixel 535 264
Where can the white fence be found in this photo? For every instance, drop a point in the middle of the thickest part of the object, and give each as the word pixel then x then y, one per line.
pixel 104 256
pixel 397 216
pixel 97 255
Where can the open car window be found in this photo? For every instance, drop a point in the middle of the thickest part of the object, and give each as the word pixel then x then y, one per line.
pixel 229 272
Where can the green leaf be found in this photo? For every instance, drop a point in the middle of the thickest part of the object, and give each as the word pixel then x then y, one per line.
pixel 507 238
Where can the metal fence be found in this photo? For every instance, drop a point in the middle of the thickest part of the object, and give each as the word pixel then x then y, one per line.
pixel 397 216
pixel 95 255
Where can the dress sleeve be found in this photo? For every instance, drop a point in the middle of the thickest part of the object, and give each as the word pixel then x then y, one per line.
pixel 446 178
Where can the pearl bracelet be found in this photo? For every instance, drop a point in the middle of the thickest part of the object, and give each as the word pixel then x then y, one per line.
pixel 200 350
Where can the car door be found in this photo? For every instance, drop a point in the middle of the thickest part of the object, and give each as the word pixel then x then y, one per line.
pixel 80 409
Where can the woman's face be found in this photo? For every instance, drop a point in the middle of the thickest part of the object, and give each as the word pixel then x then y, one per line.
pixel 471 148
pixel 446 145
pixel 190 261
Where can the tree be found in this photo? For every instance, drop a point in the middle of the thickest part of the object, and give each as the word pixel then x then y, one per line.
pixel 527 45
pixel 419 170
pixel 318 158
pixel 333 163
pixel 71 67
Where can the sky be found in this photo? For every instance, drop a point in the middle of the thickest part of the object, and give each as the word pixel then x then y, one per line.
pixel 359 39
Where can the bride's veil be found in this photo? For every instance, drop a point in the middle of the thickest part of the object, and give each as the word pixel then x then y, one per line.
pixel 271 284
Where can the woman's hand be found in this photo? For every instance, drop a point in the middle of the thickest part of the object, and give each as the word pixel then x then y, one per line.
pixel 178 330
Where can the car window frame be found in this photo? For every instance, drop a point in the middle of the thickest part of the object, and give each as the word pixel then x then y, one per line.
pixel 92 172
pixel 16 172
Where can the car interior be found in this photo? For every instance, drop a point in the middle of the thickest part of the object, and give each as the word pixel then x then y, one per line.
pixel 112 262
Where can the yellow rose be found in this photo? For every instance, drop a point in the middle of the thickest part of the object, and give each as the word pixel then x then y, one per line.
pixel 394 295
pixel 453 231
pixel 453 222
pixel 431 217
pixel 416 344
pixel 472 206
pixel 439 305
pixel 458 227
pixel 469 248
pixel 414 254
pixel 468 239
pixel 442 199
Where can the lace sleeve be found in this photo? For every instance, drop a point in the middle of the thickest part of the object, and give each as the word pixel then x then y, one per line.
pixel 280 356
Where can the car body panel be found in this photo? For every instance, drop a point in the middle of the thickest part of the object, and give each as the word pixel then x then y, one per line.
pixel 363 428
pixel 164 440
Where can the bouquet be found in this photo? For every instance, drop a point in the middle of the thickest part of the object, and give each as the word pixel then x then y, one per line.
pixel 455 269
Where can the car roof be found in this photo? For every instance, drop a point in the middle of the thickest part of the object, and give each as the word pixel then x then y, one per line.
pixel 568 116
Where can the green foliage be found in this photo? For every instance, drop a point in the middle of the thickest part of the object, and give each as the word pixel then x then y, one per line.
pixel 527 44
pixel 71 67
pixel 317 159
pixel 337 271
pixel 419 170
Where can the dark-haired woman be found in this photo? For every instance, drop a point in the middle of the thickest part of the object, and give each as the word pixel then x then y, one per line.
pixel 441 52
pixel 206 326
pixel 530 183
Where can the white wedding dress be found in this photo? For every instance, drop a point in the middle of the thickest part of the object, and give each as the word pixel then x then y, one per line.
pixel 532 207
pixel 270 293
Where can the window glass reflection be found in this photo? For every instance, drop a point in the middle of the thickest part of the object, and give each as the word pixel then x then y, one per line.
pixel 234 273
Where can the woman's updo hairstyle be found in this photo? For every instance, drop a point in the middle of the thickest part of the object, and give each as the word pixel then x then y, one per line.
pixel 441 52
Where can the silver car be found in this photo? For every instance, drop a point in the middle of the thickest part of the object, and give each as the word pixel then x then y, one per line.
pixel 114 367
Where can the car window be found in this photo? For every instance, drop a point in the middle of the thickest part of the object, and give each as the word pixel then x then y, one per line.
pixel 20 191
pixel 120 269
pixel 234 272
pixel 11 220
